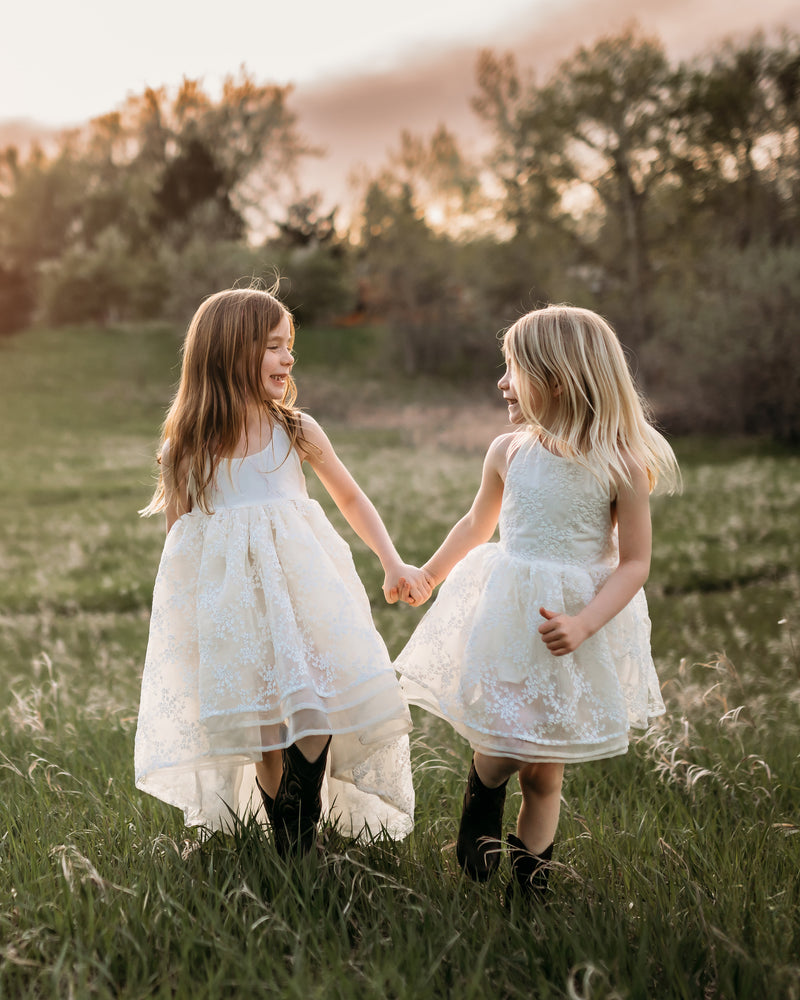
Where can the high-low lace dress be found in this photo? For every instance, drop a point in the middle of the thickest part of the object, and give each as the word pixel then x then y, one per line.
pixel 260 634
pixel 477 660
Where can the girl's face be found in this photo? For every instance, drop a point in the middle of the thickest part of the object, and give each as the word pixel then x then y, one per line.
pixel 508 387
pixel 543 410
pixel 276 365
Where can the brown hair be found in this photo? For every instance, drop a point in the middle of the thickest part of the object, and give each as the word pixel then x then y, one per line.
pixel 220 378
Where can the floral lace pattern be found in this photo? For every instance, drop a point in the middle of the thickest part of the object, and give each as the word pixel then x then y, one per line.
pixel 260 634
pixel 477 660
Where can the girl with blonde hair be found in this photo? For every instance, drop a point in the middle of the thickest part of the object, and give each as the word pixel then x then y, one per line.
pixel 537 649
pixel 264 669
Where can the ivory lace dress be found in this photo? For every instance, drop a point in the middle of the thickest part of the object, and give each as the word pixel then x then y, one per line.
pixel 477 660
pixel 261 633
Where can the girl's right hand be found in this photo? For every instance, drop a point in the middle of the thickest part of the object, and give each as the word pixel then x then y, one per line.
pixel 562 633
pixel 414 587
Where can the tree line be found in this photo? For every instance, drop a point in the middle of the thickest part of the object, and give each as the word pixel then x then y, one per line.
pixel 664 195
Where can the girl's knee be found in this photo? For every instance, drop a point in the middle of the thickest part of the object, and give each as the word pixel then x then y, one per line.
pixel 541 779
pixel 494 770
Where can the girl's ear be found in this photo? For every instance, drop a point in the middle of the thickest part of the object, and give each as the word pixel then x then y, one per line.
pixel 556 390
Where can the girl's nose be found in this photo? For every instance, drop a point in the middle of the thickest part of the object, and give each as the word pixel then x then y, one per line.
pixel 503 381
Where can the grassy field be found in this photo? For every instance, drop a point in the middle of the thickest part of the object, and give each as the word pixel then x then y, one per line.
pixel 677 864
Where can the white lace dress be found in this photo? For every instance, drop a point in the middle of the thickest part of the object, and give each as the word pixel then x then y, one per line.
pixel 261 633
pixel 477 660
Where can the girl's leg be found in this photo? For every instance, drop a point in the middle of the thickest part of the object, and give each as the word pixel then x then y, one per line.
pixel 541 804
pixel 268 778
pixel 493 771
pixel 531 850
pixel 268 772
pixel 312 746
pixel 270 768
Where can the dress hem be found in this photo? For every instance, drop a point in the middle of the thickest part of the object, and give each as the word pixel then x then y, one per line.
pixel 516 747
pixel 232 757
pixel 389 686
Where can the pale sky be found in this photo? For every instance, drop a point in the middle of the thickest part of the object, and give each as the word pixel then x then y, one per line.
pixel 363 69
pixel 64 62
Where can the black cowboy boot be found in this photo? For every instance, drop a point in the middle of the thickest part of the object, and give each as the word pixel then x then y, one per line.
pixel 529 872
pixel 269 803
pixel 298 803
pixel 480 830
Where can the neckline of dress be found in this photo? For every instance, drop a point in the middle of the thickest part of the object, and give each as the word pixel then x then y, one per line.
pixel 536 442
pixel 547 451
pixel 267 446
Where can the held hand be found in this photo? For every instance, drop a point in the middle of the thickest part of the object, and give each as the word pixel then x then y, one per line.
pixel 562 633
pixel 407 595
pixel 391 584
pixel 415 586
pixel 407 583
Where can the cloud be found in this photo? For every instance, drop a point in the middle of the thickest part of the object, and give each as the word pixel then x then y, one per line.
pixel 358 120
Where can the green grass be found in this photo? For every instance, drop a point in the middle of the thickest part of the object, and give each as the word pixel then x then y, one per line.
pixel 677 864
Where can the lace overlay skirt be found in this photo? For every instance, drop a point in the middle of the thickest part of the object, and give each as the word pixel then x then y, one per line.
pixel 477 660
pixel 260 634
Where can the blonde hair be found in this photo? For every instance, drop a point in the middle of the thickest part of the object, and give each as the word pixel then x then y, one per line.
pixel 220 378
pixel 570 371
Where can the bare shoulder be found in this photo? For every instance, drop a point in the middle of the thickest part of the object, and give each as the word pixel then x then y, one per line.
pixel 313 443
pixel 636 471
pixel 501 451
pixel 308 424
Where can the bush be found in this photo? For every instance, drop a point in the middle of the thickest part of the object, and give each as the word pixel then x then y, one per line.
pixel 318 282
pixel 727 355
pixel 203 267
pixel 16 299
pixel 91 284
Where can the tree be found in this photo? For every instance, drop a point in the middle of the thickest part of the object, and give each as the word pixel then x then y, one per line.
pixel 445 184
pixel 733 131
pixel 145 180
pixel 411 261
pixel 315 262
pixel 584 154
pixel 39 207
pixel 190 180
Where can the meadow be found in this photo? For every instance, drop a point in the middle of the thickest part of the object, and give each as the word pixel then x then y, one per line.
pixel 676 872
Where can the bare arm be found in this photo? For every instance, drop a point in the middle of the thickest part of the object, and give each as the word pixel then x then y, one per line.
pixel 563 633
pixel 478 524
pixel 359 512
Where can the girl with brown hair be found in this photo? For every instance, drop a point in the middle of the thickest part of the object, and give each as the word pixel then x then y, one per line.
pixel 264 669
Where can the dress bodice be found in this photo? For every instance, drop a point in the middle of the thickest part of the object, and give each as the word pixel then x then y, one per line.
pixel 556 509
pixel 274 473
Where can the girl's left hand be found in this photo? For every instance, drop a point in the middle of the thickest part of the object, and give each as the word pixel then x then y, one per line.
pixel 413 586
pixel 562 633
